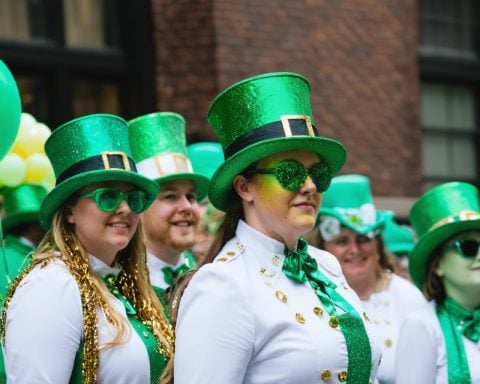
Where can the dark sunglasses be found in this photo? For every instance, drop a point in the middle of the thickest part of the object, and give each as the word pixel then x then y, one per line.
pixel 108 199
pixel 292 174
pixel 467 248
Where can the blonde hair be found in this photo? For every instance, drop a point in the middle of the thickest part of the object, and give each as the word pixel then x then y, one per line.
pixel 60 242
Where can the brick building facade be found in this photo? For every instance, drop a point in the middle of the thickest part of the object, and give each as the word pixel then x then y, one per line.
pixel 360 57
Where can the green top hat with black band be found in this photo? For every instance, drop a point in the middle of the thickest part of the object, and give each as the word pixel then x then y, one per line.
pixel 261 116
pixel 22 204
pixel 159 147
pixel 88 150
pixel 349 200
pixel 206 157
pixel 439 214
pixel 398 238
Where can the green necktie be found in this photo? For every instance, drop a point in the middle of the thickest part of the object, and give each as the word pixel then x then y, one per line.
pixel 169 273
pixel 300 266
pixel 111 283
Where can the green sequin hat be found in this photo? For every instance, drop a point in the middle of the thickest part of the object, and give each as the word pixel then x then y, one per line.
pixel 260 116
pixel 349 202
pixel 398 238
pixel 88 150
pixel 21 204
pixel 440 213
pixel 206 157
pixel 159 147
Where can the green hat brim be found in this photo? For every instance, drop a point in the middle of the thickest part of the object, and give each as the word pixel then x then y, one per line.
pixel 221 185
pixel 67 188
pixel 201 182
pixel 427 244
pixel 20 218
pixel 360 229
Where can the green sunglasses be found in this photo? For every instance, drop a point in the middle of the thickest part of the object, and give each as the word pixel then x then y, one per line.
pixel 108 199
pixel 292 174
pixel 467 248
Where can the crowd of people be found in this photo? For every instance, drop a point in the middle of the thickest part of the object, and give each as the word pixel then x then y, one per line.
pixel 252 259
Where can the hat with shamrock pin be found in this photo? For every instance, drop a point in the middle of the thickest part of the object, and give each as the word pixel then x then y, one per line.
pixel 348 202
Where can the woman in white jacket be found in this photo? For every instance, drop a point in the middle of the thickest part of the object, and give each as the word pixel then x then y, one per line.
pixel 265 307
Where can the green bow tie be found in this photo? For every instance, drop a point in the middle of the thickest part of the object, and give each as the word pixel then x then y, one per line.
pixel 467 320
pixel 169 273
pixel 300 266
pixel 111 283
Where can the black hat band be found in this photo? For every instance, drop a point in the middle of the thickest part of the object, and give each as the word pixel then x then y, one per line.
pixel 288 126
pixel 106 160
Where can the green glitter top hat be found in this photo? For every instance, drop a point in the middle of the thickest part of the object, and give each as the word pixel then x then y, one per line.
pixel 398 238
pixel 261 116
pixel 88 150
pixel 349 200
pixel 439 214
pixel 206 157
pixel 21 204
pixel 159 147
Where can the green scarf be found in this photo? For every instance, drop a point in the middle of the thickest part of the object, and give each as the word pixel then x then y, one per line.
pixel 456 321
pixel 300 266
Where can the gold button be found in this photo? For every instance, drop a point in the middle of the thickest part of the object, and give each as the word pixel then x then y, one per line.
pixel 221 259
pixel 333 321
pixel 230 253
pixel 318 311
pixel 388 342
pixel 326 375
pixel 299 318
pixel 266 273
pixel 342 376
pixel 281 296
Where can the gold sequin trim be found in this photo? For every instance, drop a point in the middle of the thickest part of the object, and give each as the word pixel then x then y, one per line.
pixel 230 253
pixel 221 260
pixel 388 343
pixel 281 296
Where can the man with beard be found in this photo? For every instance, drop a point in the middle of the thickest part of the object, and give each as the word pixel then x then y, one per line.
pixel 159 148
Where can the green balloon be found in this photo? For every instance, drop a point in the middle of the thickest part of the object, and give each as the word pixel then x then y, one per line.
pixel 10 109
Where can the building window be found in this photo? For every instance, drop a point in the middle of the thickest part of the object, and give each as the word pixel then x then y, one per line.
pixel 449 133
pixel 448 27
pixel 76 57
pixel 450 83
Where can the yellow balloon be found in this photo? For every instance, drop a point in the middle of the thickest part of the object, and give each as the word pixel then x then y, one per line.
pixel 38 167
pixel 12 170
pixel 49 182
pixel 42 134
